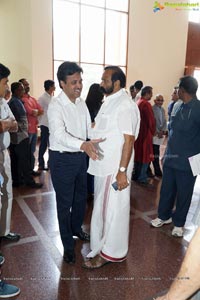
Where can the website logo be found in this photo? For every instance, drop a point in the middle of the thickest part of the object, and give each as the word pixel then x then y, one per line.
pixel 195 6
pixel 157 6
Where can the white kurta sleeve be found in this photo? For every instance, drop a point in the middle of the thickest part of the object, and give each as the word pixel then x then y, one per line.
pixel 129 120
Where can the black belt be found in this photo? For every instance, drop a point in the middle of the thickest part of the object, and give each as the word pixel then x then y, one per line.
pixel 67 152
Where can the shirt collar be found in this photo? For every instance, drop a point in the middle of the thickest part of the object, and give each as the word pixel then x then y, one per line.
pixel 47 94
pixel 188 104
pixel 65 99
pixel 107 99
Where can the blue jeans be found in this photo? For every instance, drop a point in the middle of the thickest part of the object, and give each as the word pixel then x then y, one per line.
pixel 143 173
pixel 33 142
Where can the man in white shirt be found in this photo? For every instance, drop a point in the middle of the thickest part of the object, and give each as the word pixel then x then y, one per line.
pixel 69 121
pixel 44 100
pixel 135 90
pixel 7 124
pixel 117 122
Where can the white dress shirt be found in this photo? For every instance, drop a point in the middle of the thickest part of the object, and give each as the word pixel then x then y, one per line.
pixel 5 113
pixel 44 101
pixel 117 116
pixel 68 123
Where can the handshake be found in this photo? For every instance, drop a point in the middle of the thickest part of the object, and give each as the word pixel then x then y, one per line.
pixel 93 149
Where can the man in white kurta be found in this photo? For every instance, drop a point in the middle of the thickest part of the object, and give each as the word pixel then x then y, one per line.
pixel 118 123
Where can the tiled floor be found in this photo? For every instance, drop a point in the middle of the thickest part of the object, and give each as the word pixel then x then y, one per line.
pixel 35 263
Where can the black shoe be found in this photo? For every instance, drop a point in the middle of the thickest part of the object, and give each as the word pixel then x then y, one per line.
pixel 34 185
pixel 36 173
pixel 69 257
pixel 12 237
pixel 83 236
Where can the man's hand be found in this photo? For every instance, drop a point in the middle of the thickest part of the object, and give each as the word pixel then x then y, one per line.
pixel 13 126
pixel 40 112
pixel 90 147
pixel 8 125
pixel 160 134
pixel 122 181
pixel 37 112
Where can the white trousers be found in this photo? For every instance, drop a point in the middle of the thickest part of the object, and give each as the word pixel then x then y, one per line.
pixel 110 220
pixel 7 196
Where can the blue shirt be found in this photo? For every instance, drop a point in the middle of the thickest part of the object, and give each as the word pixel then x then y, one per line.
pixel 184 136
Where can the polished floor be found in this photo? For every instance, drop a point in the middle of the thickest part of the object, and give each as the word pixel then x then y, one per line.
pixel 35 263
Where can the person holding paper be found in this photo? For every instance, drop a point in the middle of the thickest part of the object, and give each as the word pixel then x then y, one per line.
pixel 184 142
pixel 161 127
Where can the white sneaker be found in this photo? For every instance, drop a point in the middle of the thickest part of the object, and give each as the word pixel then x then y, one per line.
pixel 158 222
pixel 177 231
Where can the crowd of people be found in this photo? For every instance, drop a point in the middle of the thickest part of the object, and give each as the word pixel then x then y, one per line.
pixel 19 115
pixel 121 135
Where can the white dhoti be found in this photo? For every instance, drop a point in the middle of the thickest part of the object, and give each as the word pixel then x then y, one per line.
pixel 110 220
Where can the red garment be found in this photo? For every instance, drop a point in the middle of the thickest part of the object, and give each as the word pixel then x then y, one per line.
pixel 30 104
pixel 144 143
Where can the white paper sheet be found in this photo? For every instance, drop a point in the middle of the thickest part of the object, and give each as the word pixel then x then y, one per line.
pixel 157 140
pixel 195 164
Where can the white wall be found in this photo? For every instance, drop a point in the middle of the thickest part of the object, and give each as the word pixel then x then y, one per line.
pixel 26 40
pixel 16 43
pixel 157 46
pixel 41 30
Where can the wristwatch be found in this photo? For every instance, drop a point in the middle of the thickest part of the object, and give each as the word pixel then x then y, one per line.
pixel 122 169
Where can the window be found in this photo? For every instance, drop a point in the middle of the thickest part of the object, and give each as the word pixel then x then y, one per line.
pixel 92 33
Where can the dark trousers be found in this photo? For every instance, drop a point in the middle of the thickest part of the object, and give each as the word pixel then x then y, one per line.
pixel 33 143
pixel 90 179
pixel 20 162
pixel 177 188
pixel 156 161
pixel 69 177
pixel 44 143
pixel 140 172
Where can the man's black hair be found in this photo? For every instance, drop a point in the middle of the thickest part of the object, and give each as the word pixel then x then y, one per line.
pixel 14 86
pixel 138 84
pixel 48 84
pixel 117 74
pixel 4 71
pixel 189 84
pixel 66 69
pixel 146 90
